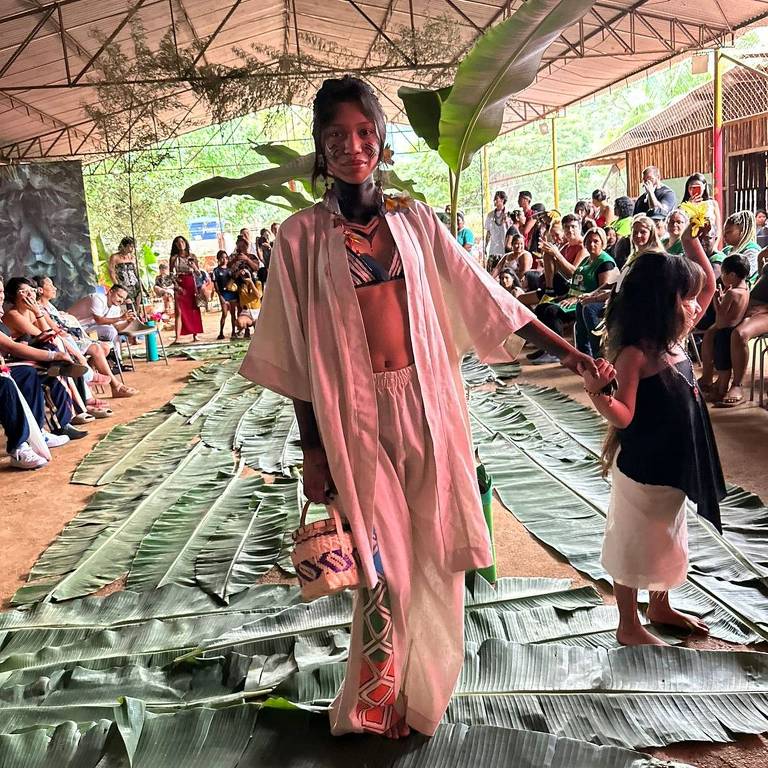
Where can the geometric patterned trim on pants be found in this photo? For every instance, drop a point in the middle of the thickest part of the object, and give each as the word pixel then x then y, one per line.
pixel 377 693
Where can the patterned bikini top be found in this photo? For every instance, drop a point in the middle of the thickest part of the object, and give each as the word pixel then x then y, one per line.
pixel 364 269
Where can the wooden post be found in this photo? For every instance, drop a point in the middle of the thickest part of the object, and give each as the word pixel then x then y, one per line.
pixel 555 185
pixel 717 134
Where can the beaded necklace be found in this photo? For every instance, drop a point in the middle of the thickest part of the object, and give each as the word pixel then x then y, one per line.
pixel 691 384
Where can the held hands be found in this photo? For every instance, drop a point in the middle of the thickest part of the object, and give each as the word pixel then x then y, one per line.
pixel 602 375
pixel 318 483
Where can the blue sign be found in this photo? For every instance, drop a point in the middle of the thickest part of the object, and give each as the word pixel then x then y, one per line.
pixel 203 229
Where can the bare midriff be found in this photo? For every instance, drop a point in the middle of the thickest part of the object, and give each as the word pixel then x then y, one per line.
pixel 384 307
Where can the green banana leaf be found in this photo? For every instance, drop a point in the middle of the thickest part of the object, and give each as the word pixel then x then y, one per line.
pixel 271 182
pixel 629 696
pixel 130 445
pixel 167 553
pixel 247 544
pixel 423 108
pixel 503 62
pixel 204 384
pixel 280 154
pixel 101 262
pixel 267 436
pixel 220 186
pixel 108 743
pixel 222 422
pixel 106 510
pixel 246 735
pixel 109 555
pixel 293 739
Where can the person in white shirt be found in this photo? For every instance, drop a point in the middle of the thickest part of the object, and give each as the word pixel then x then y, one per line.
pixel 497 222
pixel 104 313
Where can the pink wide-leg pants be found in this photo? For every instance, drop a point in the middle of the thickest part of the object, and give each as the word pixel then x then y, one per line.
pixel 407 640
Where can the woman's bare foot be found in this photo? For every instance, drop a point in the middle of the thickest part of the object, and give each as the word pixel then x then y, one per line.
pixel 704 384
pixel 637 634
pixel 399 730
pixel 665 614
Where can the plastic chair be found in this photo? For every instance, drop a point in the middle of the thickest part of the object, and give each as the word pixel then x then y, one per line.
pixel 760 350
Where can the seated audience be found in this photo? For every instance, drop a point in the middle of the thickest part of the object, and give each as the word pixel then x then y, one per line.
pixel 761 229
pixel 95 351
pixel 755 323
pixel 602 210
pixel 731 301
pixel 657 199
pixel 739 236
pixel 590 276
pixel 517 258
pixel 697 191
pixel 35 370
pixel 510 282
pixel 163 288
pixel 104 314
pixel 561 263
pixel 677 221
pixel 623 208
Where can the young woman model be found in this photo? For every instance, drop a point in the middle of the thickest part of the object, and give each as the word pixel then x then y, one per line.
pixel 660 447
pixel 370 305
pixel 182 267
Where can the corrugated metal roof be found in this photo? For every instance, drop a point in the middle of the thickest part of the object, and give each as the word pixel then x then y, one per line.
pixel 42 113
pixel 745 94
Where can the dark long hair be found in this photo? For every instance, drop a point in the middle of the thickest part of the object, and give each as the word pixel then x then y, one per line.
pixel 702 180
pixel 174 248
pixel 339 91
pixel 645 312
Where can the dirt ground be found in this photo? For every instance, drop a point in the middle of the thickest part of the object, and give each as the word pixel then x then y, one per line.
pixel 29 520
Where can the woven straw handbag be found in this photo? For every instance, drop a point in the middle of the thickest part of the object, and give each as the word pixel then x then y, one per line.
pixel 324 556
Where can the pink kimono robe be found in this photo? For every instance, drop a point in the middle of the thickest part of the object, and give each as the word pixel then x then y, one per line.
pixel 310 345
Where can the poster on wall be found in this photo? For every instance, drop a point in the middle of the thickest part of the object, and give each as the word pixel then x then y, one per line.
pixel 44 227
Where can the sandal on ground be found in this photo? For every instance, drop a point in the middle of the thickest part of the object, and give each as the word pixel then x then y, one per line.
pixel 100 378
pixel 122 390
pixel 83 418
pixel 730 401
pixel 99 409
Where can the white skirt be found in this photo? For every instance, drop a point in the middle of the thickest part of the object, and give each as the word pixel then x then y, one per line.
pixel 646 535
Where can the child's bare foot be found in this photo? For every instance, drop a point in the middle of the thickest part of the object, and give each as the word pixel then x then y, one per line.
pixel 637 634
pixel 664 614
pixel 399 730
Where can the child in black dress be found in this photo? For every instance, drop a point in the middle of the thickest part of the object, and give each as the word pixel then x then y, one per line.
pixel 660 447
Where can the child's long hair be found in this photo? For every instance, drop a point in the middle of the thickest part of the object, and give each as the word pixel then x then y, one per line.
pixel 645 313
pixel 745 221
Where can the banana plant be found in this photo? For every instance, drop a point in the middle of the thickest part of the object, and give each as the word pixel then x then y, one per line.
pixel 280 185
pixel 460 119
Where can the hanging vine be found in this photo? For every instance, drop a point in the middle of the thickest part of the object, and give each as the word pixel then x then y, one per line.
pixel 146 94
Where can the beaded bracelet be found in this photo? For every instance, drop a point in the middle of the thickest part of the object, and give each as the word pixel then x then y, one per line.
pixel 600 394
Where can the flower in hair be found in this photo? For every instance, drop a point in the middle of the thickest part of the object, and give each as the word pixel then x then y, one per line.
pixel 397 203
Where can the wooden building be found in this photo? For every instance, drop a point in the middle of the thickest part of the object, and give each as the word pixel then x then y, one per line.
pixel 679 141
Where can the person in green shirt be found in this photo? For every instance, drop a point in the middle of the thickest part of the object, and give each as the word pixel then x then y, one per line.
pixel 464 234
pixel 740 236
pixel 676 223
pixel 622 209
pixel 597 270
